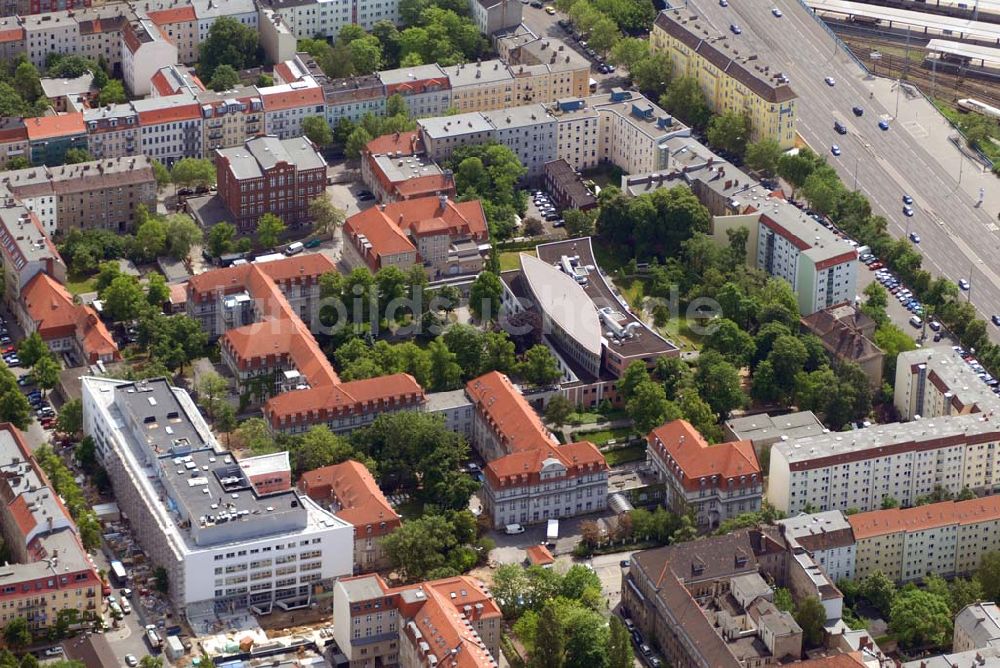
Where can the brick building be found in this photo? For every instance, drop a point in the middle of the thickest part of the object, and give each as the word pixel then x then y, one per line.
pixel 270 175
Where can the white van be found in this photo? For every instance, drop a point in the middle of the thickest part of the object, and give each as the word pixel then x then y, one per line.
pixel 294 248
pixel 514 529
pixel 916 321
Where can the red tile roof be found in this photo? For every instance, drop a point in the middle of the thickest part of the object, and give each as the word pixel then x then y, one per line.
pixel 407 143
pixel 425 186
pixel 170 114
pixel 539 555
pixel 48 127
pixel 678 444
pixel 56 316
pixel 174 15
pixel 385 238
pixel 361 501
pixel 12 35
pixel 921 518
pixel 275 100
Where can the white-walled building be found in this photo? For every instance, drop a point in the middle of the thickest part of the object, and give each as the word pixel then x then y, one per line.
pixel 492 16
pixel 286 105
pixel 860 468
pixel 145 49
pixel 170 127
pixel 425 88
pixel 827 537
pixel 230 534
pixel 529 131
pixel 933 382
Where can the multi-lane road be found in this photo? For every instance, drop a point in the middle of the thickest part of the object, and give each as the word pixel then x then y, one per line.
pixel 958 238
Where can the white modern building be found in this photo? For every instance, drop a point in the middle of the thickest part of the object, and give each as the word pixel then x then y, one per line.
pixel 529 131
pixel 232 535
pixel 827 537
pixel 170 127
pixel 935 381
pixel 145 49
pixel 860 468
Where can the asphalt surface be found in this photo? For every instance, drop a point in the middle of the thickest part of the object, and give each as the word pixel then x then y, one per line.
pixel 958 239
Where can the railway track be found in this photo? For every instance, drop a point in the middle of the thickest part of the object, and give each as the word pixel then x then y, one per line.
pixel 942 84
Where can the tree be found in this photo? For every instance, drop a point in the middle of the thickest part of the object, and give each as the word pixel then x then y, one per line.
pixel 31 349
pixel 269 230
pixel 729 131
pixel 823 189
pixel 619 645
pixel 255 435
pixel 558 410
pixel 356 143
pixel 224 78
pixel 112 93
pixel 151 662
pixel 366 54
pixel 317 130
pixel 429 546
pixel 733 343
pixel 921 618
pixel 161 580
pixel 988 575
pixel 17 633
pixel 231 43
pixel 783 599
pixel 123 299
pixel 161 173
pixel 718 382
pixel 652 74
pixel 449 297
pixel 14 406
pixel 77 155
pixel 26 81
pixel 629 51
pixel 579 223
pixel 211 388
pixel 157 290
pixel 327 218
pixel 485 295
pixel 878 590
pixel 549 651
pixel 811 618
pixel 150 240
pixel 319 447
pixel 220 239
pixel 46 373
pixel 225 419
pixel 685 99
pixel 193 172
pixel 70 418
pixel 763 155
pixel 445 371
pixel 648 407
pixel 182 233
pixel 539 366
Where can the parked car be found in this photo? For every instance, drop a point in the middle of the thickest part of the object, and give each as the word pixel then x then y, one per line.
pixel 858 111
pixel 736 29
pixel 830 81
pixel 776 12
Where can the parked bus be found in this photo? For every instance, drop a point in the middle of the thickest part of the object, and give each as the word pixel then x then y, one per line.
pixel 118 574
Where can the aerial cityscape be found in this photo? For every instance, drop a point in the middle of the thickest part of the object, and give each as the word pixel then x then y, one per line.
pixel 500 333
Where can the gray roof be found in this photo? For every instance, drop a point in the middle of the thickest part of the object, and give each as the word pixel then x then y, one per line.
pixel 564 301
pixel 205 9
pixel 819 531
pixel 988 657
pixel 824 243
pixel 955 374
pixel 455 125
pixel 407 74
pixel 406 167
pixel 980 622
pixel 60 87
pixel 526 115
pixel 260 154
pixel 362 588
pixel 31 241
pixel 443 401
pixel 767 429
pixel 472 74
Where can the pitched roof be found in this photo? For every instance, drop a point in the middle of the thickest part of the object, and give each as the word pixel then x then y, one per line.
pixel 384 238
pixel 361 501
pixel 921 518
pixel 539 555
pixel 507 411
pixel 163 17
pixel 55 315
pixel 285 96
pixel 406 143
pixel 169 109
pixel 48 127
pixel 679 444
pixel 842 333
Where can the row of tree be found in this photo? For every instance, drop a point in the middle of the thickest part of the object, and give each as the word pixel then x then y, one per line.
pixel 76 502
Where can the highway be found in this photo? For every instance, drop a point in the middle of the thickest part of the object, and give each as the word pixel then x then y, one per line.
pixel 958 239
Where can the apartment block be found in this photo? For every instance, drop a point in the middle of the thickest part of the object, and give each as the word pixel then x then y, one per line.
pixel 48 571
pixel 179 23
pixel 99 194
pixel 425 88
pixel 452 621
pixel 529 477
pixel 56 32
pixel 229 118
pixel 481 86
pixel 308 18
pixel 170 127
pixel 764 430
pixel 566 187
pixel 25 250
pixel 441 135
pixel 13 138
pixel 49 137
pixel 270 175
pixel 69 329
pixel 732 79
pixel 828 537
pixel 112 131
pixel 446 237
pixel 263 311
pixel 493 16
pixel 396 167
pixel 820 266
pixel 936 382
pixel 145 49
pixel 530 132
pixel 43 6
pixel 350 491
pixel 715 482
pixel 977 626
pixel 946 538
pixel 286 105
pixel 546 69
pixel 860 468
pixel 250 541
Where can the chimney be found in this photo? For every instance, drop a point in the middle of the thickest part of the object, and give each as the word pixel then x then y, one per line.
pixel 443 201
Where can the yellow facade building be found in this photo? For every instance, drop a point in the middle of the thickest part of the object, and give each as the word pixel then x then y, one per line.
pixel 731 81
pixel 946 538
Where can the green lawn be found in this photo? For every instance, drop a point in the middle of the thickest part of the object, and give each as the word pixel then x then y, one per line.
pixel 594 417
pixel 602 436
pixel 510 260
pixel 80 286
pixel 410 510
pixel 679 332
pixel 632 453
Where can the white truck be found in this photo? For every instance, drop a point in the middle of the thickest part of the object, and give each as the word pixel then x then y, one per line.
pixel 552 532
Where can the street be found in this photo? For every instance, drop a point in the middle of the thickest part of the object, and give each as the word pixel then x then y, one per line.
pixel 913 157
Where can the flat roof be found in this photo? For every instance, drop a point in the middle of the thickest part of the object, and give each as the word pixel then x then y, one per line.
pixel 870 441
pixel 476 74
pixel 644 342
pixel 457 125
pixel 955 374
pixel 406 167
pixel 30 239
pixel 800 229
pixel 64 86
pixel 977 29
pixel 525 115
pixel 987 54
pixel 811 524
pixel 779 427
pixel 408 74
pixel 441 401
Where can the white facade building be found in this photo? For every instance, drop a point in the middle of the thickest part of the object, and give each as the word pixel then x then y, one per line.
pixel 529 131
pixel 934 382
pixel 230 537
pixel 145 49
pixel 170 127
pixel 860 468
pixel 828 537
